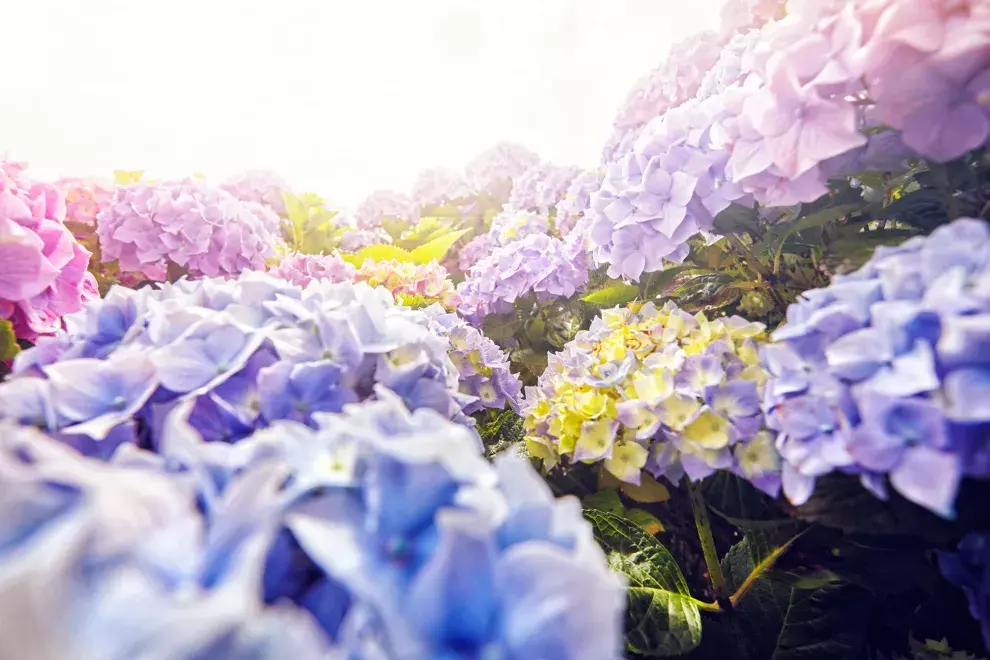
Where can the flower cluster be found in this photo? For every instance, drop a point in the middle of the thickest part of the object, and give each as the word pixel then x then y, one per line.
pixel 511 224
pixel 576 200
pixel 245 352
pixel 494 169
pixel 413 285
pixel 884 373
pixel 260 187
pixel 84 199
pixel 206 231
pixel 660 390
pixel 385 204
pixel 44 274
pixel 483 367
pixel 301 269
pixel 967 568
pixel 654 199
pixel 541 186
pixel 474 251
pixel 378 533
pixel 538 264
pixel 439 186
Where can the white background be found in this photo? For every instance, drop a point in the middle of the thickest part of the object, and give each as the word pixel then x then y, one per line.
pixel 339 97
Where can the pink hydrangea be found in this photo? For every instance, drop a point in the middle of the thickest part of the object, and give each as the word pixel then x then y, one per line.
pixel 418 285
pixel 301 269
pixel 260 187
pixel 44 273
pixel 85 199
pixel 206 231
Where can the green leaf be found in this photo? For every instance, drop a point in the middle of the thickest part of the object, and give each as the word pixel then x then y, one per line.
pixel 828 623
pixel 499 327
pixel 737 501
pixel 644 519
pixel 655 283
pixel 662 619
pixel 762 611
pixel 737 219
pixel 607 500
pixel 380 252
pixel 436 249
pixel 818 219
pixel 9 348
pixel 700 289
pixel 613 296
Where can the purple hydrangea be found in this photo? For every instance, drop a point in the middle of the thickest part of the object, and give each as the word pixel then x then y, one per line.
pixel 355 239
pixel 301 269
pixel 494 169
pixel 439 186
pixel 245 352
pixel 576 200
pixel 884 373
pixel 474 251
pixel 206 231
pixel 538 265
pixel 260 187
pixel 541 186
pixel 385 204
pixel 482 366
pixel 968 568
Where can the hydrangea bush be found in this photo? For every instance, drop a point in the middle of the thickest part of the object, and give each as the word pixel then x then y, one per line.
pixel 752 341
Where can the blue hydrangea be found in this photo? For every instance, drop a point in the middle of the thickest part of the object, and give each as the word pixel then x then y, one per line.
pixel 248 352
pixel 381 529
pixel 967 568
pixel 885 373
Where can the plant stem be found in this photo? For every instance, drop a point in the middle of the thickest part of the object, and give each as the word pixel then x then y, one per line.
pixel 704 526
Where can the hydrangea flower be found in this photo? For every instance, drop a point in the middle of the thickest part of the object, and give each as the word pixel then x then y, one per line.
pixel 84 199
pixel 107 561
pixel 474 251
pixel 494 169
pixel 511 224
pixel 656 389
pixel 576 200
pixel 44 267
pixel 260 187
pixel 245 352
pixel 967 569
pixel 385 204
pixel 541 186
pixel 301 269
pixel 414 285
pixel 539 265
pixel 482 366
pixel 207 231
pixel 355 239
pixel 439 186
pixel 883 373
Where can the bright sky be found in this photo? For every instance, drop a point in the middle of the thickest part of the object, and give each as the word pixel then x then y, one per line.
pixel 338 96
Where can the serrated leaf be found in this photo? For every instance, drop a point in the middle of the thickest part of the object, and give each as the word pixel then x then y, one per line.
pixel 817 219
pixel 761 612
pixel 736 219
pixel 380 252
pixel 499 327
pixel 662 619
pixel 613 296
pixel 828 623
pixel 436 249
pixel 737 501
pixel 9 348
pixel 700 289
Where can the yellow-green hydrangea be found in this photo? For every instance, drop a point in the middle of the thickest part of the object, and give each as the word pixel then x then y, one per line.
pixel 659 389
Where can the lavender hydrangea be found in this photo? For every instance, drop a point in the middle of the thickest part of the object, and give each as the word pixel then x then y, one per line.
pixel 883 374
pixel 494 169
pixel 538 265
pixel 260 187
pixel 206 231
pixel 541 186
pixel 439 186
pixel 482 366
pixel 361 530
pixel 474 251
pixel 245 352
pixel 576 200
pixel 385 204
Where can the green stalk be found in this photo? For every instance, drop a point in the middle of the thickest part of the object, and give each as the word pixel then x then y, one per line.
pixel 704 526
